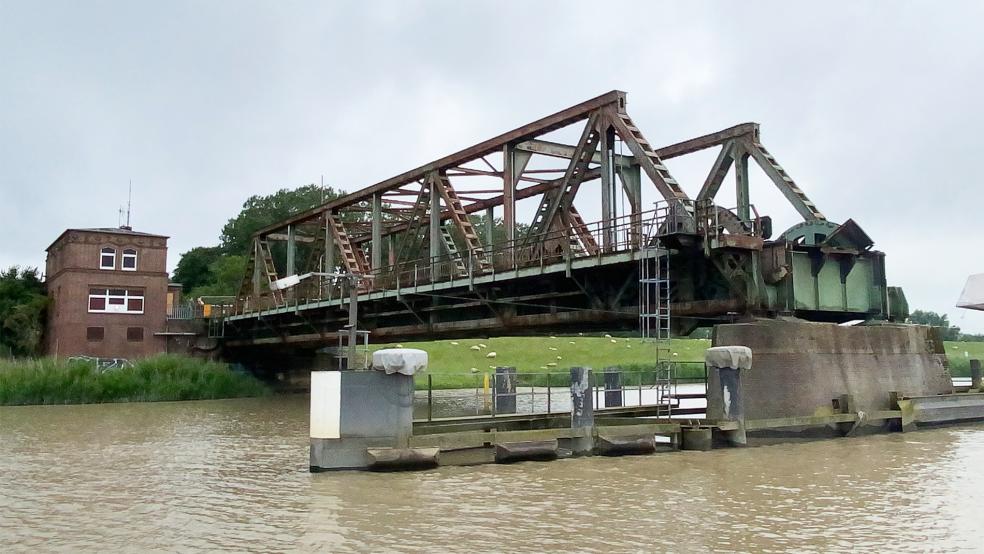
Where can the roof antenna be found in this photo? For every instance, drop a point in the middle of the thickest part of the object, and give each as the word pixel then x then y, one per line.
pixel 129 198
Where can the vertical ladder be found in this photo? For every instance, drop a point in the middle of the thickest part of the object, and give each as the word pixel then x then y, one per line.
pixel 654 313
pixel 464 224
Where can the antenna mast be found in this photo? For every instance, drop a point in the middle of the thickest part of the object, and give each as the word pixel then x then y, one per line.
pixel 129 198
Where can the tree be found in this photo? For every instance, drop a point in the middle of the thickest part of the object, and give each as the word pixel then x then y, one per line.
pixel 194 267
pixel 227 275
pixel 933 319
pixel 261 211
pixel 22 305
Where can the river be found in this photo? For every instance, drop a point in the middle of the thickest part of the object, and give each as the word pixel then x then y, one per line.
pixel 233 475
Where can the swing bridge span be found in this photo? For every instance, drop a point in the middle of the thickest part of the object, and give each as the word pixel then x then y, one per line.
pixel 438 251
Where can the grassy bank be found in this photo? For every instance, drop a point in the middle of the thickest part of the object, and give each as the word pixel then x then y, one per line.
pixel 960 353
pixel 462 363
pixel 49 381
pixel 455 364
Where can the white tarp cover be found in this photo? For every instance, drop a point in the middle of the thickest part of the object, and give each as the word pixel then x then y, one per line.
pixel 399 360
pixel 737 357
pixel 972 297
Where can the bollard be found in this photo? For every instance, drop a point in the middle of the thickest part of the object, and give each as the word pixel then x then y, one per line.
pixel 582 410
pixel 729 361
pixel 613 388
pixel 504 401
pixel 975 375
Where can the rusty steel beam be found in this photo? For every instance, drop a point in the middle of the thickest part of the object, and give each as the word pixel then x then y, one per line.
pixel 539 127
pixel 490 202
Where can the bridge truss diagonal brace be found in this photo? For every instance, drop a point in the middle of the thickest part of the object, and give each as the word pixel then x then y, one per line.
pixel 715 178
pixel 782 180
pixel 461 221
pixel 561 198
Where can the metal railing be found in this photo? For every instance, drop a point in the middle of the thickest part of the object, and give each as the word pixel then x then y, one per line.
pixel 539 393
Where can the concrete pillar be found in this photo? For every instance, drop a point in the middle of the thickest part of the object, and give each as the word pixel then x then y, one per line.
pixel 975 375
pixel 728 362
pixel 504 399
pixel 354 411
pixel 614 395
pixel 582 410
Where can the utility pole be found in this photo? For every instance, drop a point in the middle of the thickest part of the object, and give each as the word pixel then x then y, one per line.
pixel 353 281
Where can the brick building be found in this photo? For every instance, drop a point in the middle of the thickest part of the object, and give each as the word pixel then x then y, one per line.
pixel 108 291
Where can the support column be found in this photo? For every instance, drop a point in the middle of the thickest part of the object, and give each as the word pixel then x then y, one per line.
pixel 509 192
pixel 291 249
pixel 728 362
pixel 489 230
pixel 391 248
pixel 975 375
pixel 582 410
pixel 329 247
pixel 435 218
pixel 608 208
pixel 614 395
pixel 741 183
pixel 632 184
pixel 504 401
pixel 377 231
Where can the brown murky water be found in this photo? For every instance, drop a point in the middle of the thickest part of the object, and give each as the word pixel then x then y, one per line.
pixel 233 475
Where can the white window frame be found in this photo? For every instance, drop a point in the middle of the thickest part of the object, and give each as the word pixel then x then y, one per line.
pixel 127 254
pixel 104 252
pixel 115 308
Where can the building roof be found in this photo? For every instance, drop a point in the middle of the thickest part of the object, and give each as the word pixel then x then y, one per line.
pixel 106 230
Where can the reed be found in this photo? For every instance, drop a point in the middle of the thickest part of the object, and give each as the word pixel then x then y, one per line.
pixel 159 378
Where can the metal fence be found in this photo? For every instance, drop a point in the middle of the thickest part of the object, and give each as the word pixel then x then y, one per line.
pixel 543 393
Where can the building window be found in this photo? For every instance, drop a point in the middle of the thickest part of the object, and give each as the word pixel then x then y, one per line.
pixel 129 259
pixel 134 334
pixel 116 301
pixel 107 258
pixel 94 334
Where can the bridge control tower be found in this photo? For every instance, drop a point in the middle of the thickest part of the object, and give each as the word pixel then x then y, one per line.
pixel 443 253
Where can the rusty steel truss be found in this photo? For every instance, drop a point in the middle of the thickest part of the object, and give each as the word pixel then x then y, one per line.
pixel 419 231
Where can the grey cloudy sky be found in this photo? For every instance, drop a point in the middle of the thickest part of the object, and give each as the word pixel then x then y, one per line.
pixel 873 107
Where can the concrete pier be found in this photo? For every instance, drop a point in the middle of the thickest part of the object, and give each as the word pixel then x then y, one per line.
pixel 976 382
pixel 800 367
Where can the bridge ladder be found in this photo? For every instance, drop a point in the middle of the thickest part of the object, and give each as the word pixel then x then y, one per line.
pixel 452 248
pixel 654 315
pixel 270 270
pixel 352 256
pixel 464 224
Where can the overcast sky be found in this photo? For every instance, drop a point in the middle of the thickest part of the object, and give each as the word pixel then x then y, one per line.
pixel 873 107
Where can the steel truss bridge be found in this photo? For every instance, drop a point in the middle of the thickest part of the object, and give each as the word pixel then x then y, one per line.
pixel 440 252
